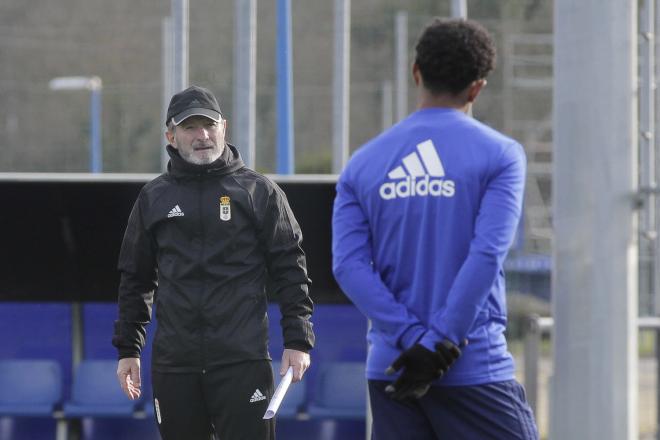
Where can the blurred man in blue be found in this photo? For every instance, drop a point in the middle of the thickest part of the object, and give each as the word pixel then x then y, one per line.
pixel 424 216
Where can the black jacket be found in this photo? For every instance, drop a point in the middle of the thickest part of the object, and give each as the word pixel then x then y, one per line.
pixel 207 239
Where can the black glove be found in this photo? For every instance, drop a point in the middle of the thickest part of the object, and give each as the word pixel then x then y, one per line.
pixel 421 367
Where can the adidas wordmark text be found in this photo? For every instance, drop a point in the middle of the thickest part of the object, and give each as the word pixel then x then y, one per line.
pixel 418 177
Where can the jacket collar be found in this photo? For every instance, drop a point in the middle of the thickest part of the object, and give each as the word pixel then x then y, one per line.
pixel 228 162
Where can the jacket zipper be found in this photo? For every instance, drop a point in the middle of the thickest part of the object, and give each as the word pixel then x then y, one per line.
pixel 201 259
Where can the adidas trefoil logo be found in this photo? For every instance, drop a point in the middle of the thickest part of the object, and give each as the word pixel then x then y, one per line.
pixel 175 212
pixel 421 175
pixel 257 396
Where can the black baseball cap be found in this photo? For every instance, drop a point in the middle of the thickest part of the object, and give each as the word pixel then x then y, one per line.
pixel 194 101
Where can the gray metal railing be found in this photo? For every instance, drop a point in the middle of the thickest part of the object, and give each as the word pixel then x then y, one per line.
pixel 537 326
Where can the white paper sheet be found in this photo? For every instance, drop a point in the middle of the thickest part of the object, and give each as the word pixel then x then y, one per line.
pixel 279 393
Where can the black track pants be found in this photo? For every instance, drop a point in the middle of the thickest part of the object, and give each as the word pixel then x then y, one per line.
pixel 230 401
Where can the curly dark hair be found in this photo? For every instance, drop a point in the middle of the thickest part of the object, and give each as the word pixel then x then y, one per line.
pixel 452 53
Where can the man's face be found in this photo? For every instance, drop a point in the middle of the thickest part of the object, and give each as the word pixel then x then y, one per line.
pixel 200 140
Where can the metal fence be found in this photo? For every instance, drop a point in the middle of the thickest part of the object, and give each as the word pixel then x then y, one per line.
pixel 538 326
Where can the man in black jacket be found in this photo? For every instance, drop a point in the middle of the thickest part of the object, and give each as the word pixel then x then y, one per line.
pixel 202 240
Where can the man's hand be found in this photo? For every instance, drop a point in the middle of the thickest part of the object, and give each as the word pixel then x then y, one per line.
pixel 299 360
pixel 421 367
pixel 128 373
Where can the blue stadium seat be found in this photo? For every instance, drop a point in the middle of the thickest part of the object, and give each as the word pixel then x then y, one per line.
pixel 341 391
pixel 29 387
pixel 293 404
pixel 96 392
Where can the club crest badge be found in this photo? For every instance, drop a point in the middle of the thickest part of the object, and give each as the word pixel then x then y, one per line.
pixel 225 209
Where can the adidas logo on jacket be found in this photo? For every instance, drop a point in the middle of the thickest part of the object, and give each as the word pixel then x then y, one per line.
pixel 420 177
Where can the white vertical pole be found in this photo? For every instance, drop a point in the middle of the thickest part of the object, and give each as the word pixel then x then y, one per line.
pixel 655 145
pixel 341 85
pixel 168 82
pixel 95 108
pixel 459 8
pixel 646 153
pixel 245 79
pixel 594 289
pixel 401 67
pixel 654 14
pixel 387 113
pixel 180 31
pixel 284 67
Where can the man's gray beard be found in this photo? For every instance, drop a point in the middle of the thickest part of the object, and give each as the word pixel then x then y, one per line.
pixel 191 158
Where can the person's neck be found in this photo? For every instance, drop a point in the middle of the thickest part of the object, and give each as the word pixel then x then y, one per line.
pixel 457 102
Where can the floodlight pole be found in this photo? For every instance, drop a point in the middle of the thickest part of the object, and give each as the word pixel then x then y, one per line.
pixel 459 9
pixel 245 79
pixel 401 64
pixel 284 67
pixel 96 159
pixel 95 86
pixel 180 30
pixel 341 85
pixel 168 83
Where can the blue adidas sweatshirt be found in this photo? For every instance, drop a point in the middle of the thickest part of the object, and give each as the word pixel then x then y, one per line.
pixel 422 221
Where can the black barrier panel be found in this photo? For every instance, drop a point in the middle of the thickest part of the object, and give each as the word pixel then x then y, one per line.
pixel 62 238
